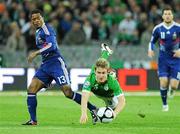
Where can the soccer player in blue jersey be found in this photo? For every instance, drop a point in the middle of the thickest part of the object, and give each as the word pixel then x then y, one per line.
pixel 53 67
pixel 167 34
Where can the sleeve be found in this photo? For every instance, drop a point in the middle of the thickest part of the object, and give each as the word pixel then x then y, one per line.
pixel 117 89
pixel 179 35
pixel 154 38
pixel 50 40
pixel 87 85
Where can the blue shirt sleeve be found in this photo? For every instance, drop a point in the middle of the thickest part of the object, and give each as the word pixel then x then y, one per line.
pixel 50 43
pixel 154 38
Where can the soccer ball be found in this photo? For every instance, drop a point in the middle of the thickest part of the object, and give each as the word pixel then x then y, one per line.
pixel 105 114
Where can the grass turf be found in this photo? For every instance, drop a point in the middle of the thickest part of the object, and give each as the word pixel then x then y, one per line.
pixel 58 115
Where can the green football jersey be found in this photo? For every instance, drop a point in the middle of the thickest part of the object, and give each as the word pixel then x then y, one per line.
pixel 110 88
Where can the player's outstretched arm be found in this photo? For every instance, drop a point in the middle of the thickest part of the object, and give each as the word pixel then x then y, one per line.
pixel 151 50
pixel 32 56
pixel 154 38
pixel 84 100
pixel 120 106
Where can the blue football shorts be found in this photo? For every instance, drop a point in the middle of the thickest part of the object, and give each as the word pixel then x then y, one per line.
pixel 53 70
pixel 169 68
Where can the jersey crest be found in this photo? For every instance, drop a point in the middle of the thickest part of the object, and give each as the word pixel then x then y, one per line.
pixel 86 84
pixel 174 36
pixel 106 88
pixel 95 86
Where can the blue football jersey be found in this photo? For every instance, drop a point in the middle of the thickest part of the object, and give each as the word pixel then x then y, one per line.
pixel 53 66
pixel 168 38
pixel 47 43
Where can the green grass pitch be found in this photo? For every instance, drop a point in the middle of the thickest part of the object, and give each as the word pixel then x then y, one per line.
pixel 58 115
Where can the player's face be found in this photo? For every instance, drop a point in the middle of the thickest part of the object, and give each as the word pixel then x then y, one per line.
pixel 101 74
pixel 167 16
pixel 37 20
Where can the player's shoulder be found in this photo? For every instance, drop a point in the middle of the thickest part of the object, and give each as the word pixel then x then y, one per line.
pixel 111 78
pixel 176 24
pixel 158 26
pixel 47 29
pixel 112 82
pixel 48 26
pixel 90 80
pixel 91 77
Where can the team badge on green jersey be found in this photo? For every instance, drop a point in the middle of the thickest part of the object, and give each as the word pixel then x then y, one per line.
pixel 96 86
pixel 106 87
pixel 86 84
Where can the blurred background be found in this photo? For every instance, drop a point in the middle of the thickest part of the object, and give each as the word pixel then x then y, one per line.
pixel 81 26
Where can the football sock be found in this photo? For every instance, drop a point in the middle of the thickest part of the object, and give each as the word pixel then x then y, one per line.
pixel 77 98
pixel 163 92
pixel 32 104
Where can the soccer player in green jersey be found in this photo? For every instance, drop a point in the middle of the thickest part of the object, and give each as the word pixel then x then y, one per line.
pixel 104 85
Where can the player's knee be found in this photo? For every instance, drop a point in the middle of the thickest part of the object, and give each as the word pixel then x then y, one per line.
pixel 164 82
pixel 32 88
pixel 173 87
pixel 68 94
pixel 67 91
pixel 164 85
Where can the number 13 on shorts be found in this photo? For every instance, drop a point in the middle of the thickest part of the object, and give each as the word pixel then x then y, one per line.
pixel 62 80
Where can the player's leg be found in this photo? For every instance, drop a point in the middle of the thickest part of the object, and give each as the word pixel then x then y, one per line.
pixel 173 86
pixel 106 51
pixel 40 80
pixel 60 74
pixel 175 77
pixel 62 79
pixel 170 92
pixel 34 87
pixel 75 96
pixel 164 73
pixel 163 92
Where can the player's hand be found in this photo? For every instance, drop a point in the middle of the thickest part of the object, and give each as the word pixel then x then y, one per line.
pixel 176 53
pixel 150 53
pixel 83 119
pixel 114 114
pixel 31 56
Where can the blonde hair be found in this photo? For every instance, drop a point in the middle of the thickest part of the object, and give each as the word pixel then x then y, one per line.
pixel 103 63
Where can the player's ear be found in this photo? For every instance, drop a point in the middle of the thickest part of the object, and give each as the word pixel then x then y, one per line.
pixel 172 16
pixel 163 16
pixel 42 17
